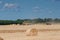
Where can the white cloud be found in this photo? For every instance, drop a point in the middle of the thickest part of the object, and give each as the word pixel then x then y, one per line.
pixel 9 5
pixel 36 9
pixel 53 0
pixel 0 2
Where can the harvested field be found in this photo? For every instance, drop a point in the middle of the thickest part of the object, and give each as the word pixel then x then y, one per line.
pixel 40 30
pixel 17 32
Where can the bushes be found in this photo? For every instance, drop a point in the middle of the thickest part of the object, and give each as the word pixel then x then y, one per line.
pixel 8 22
pixel 31 21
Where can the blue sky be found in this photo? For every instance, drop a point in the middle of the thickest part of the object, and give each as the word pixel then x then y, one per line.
pixel 28 9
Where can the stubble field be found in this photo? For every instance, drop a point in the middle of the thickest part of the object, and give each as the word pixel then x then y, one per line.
pixel 17 32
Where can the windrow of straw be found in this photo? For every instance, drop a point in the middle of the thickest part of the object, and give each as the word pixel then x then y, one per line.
pixel 39 30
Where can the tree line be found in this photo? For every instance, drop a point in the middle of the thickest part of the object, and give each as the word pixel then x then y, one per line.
pixel 33 21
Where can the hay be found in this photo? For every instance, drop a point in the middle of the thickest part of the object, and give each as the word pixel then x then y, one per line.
pixel 32 32
pixel 1 38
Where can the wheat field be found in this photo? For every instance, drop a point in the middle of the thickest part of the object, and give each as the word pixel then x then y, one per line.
pixel 17 32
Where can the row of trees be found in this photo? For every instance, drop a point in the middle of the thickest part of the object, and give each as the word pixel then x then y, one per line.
pixel 8 22
pixel 21 21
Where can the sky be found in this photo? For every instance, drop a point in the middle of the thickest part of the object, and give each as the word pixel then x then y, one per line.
pixel 29 9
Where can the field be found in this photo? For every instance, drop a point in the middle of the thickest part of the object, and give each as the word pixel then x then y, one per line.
pixel 17 32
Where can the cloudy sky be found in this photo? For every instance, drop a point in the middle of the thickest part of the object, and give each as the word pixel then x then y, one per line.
pixel 26 9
